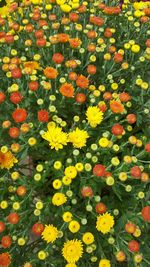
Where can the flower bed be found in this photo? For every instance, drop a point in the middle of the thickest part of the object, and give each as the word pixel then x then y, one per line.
pixel 75 143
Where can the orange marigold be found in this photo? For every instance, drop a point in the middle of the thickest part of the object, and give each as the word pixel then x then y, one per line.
pixel 63 37
pixel 75 42
pixel 67 90
pixel 5 259
pixel 82 82
pixel 116 107
pixel 7 160
pixel 50 73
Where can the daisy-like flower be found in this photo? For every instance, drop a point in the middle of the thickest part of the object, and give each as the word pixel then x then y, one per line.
pixel 72 250
pixel 78 138
pixel 104 263
pixel 56 137
pixel 104 223
pixel 7 160
pixel 94 116
pixel 50 233
pixel 59 199
pixel 5 259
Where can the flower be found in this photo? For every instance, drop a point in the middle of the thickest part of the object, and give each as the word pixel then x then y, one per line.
pixel 67 90
pixel 72 250
pixel 82 81
pixel 88 238
pixel 7 160
pixel 104 223
pixel 5 259
pixel 71 172
pixel 50 233
pixel 104 263
pixel 94 116
pixel 58 199
pixel 78 138
pixel 50 73
pixel 19 115
pixel 74 226
pixel 75 42
pixel 56 137
pixel 116 107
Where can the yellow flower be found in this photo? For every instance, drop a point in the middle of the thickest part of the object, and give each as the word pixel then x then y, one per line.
pixel 135 48
pixel 57 184
pixel 78 138
pixel 88 238
pixel 103 142
pixel 71 172
pixel 59 199
pixel 104 223
pixel 50 233
pixel 74 226
pixel 41 255
pixel 94 116
pixel 67 216
pixel 56 137
pixel 70 265
pixel 7 160
pixel 66 8
pixel 104 263
pixel 79 167
pixel 72 250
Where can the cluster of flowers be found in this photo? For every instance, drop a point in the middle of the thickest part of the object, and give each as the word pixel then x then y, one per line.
pixel 74 129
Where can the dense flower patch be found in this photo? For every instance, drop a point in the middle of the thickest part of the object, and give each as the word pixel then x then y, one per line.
pixel 74 134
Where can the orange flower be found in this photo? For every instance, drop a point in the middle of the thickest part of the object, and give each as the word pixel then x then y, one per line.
pixel 63 37
pixel 75 42
pixel 7 160
pixel 71 64
pixel 82 82
pixel 50 73
pixel 29 66
pixel 116 107
pixel 67 90
pixel 5 259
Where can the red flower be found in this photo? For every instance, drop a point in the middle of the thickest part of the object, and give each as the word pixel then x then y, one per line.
pixel 97 20
pixel 41 42
pixel 101 208
pixel 73 16
pixel 13 218
pixel 117 129
pixel 80 98
pixel 130 227
pixel 124 97
pixel 2 226
pixel 5 259
pixel 136 172
pixel 43 115
pixel 67 90
pixel 6 241
pixel 14 132
pixel 58 58
pixel 9 39
pixel 2 97
pixel 87 191
pixel 99 170
pixel 118 57
pixel 39 34
pixel 133 246
pixel 33 85
pixel 147 147
pixel 37 228
pixel 19 115
pixel 146 213
pixel 131 118
pixel 16 97
pixel 16 73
